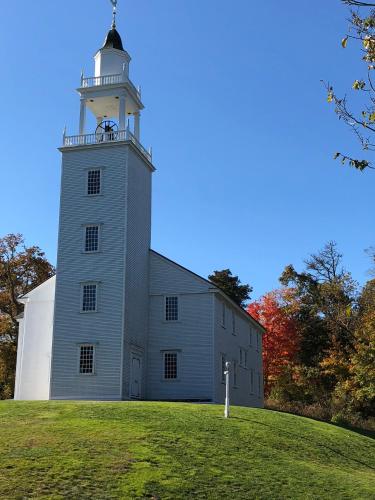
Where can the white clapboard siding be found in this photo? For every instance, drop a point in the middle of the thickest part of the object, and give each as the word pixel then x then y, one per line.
pixel 112 209
pixel 137 265
pixel 191 335
pixel 229 344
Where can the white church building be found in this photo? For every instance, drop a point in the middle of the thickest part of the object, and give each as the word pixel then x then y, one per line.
pixel 119 321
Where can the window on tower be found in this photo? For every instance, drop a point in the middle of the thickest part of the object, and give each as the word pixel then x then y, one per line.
pixel 91 238
pixel 89 297
pixel 93 182
pixel 86 359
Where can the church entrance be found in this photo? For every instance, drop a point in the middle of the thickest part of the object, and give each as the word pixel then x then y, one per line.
pixel 136 376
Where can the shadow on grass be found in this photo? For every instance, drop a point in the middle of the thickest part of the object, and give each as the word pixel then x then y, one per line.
pixel 297 436
pixel 359 430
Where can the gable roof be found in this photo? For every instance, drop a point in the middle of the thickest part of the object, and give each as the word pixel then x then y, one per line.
pixel 212 287
pixel 27 295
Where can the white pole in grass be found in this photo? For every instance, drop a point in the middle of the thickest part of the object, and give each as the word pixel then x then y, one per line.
pixel 226 373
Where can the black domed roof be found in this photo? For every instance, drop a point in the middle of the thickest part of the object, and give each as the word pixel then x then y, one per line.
pixel 113 40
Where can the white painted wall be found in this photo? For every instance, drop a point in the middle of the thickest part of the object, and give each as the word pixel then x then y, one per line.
pixel 229 343
pixel 191 336
pixel 35 344
pixel 111 61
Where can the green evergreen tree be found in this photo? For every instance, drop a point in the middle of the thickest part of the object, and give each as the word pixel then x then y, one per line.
pixel 231 285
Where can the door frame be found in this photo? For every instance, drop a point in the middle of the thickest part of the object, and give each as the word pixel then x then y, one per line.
pixel 137 355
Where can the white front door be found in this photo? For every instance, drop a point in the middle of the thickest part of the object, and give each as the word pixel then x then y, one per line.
pixel 135 376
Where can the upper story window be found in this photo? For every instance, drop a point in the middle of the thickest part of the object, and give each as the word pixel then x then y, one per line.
pixel 251 336
pixel 86 359
pixel 171 308
pixel 243 358
pixel 170 365
pixel 233 323
pixel 89 297
pixel 223 314
pixel 94 182
pixel 91 238
pixel 258 340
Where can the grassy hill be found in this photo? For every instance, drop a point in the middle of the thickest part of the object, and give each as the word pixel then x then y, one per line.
pixel 171 451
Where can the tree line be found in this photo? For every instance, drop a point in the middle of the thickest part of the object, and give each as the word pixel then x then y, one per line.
pixel 319 347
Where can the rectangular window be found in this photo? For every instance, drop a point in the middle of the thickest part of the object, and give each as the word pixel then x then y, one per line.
pixel 223 368
pixel 258 340
pixel 233 323
pixel 243 358
pixel 86 359
pixel 93 182
pixel 259 384
pixel 170 365
pixel 251 381
pixel 91 238
pixel 223 314
pixel 235 373
pixel 250 336
pixel 171 308
pixel 89 297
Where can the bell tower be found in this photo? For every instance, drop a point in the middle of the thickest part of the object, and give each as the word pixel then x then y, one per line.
pixel 102 298
pixel 110 95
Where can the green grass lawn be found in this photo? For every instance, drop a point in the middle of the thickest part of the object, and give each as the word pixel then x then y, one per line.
pixel 171 451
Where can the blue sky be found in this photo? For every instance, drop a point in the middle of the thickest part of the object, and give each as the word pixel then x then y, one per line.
pixel 242 135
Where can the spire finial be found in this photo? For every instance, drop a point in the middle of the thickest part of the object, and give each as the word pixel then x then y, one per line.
pixel 114 12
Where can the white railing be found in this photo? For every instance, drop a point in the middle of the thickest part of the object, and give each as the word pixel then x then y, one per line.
pixel 101 137
pixel 96 81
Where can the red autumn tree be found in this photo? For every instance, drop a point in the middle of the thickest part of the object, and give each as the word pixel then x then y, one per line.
pixel 281 341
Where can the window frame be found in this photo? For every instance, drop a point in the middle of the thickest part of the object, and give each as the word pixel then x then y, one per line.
pixel 235 373
pixel 223 360
pixel 251 375
pixel 257 341
pixel 259 385
pixel 166 297
pixel 234 331
pixel 85 226
pixel 87 283
pixel 79 347
pixel 223 315
pixel 177 352
pixel 251 339
pixel 93 169
pixel 243 358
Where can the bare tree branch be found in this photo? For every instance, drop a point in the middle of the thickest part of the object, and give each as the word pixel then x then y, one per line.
pixel 356 3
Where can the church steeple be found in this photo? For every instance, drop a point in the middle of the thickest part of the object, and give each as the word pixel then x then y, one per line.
pixel 113 40
pixel 111 96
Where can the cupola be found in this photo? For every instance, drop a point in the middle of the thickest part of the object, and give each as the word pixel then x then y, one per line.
pixel 112 58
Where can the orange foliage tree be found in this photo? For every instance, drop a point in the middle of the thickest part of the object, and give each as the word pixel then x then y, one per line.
pixel 281 340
